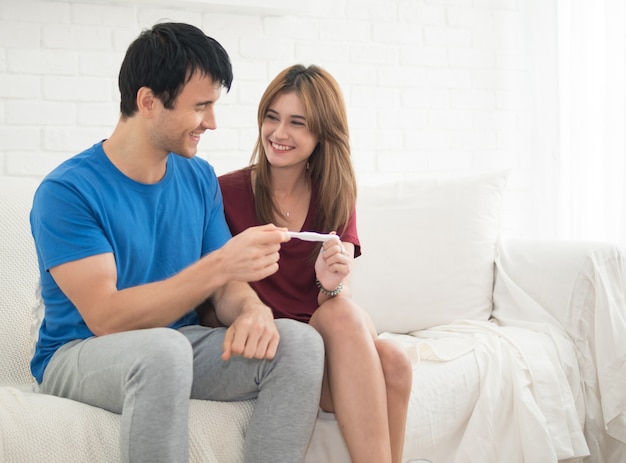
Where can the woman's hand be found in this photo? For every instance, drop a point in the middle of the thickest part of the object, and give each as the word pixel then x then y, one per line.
pixel 334 263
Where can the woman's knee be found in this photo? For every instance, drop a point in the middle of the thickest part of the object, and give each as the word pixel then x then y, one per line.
pixel 339 317
pixel 397 367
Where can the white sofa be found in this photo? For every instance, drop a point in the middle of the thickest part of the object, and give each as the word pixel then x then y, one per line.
pixel 519 347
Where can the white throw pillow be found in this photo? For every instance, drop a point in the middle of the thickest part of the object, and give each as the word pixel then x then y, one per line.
pixel 428 250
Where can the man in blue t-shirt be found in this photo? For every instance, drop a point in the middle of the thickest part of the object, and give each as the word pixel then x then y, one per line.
pixel 132 243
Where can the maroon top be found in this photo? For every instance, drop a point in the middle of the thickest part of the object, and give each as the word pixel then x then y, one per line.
pixel 291 291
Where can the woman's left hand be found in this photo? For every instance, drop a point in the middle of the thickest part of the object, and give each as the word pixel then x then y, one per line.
pixel 333 263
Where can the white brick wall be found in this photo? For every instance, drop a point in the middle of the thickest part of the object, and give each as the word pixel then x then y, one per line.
pixel 431 85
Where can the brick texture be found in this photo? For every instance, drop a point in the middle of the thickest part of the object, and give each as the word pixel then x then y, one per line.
pixel 430 85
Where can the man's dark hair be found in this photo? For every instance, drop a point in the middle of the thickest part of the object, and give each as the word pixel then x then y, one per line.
pixel 164 58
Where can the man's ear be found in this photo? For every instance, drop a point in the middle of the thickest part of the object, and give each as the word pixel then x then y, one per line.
pixel 146 103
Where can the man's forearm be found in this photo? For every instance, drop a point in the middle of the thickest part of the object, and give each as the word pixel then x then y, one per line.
pixel 233 299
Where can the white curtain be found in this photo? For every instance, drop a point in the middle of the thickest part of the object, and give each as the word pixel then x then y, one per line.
pixel 580 124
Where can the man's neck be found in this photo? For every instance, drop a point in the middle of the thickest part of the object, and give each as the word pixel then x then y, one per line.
pixel 130 151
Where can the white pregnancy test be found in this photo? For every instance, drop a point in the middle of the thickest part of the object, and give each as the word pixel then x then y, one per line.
pixel 312 236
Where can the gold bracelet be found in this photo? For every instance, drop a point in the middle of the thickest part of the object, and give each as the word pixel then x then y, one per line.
pixel 332 293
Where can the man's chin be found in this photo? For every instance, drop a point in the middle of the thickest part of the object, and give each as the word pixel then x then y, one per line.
pixel 188 154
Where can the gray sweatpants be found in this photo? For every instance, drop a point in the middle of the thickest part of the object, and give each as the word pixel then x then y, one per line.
pixel 148 376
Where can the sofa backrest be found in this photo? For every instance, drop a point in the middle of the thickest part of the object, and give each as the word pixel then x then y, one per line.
pixel 428 258
pixel 19 278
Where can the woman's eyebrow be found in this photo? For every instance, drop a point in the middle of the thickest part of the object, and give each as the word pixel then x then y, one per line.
pixel 293 116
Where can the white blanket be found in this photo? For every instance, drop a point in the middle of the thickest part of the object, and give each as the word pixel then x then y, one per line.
pixel 594 318
pixel 524 411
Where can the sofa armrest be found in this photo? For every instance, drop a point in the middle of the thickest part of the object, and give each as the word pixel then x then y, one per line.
pixel 549 272
pixel 19 277
pixel 578 287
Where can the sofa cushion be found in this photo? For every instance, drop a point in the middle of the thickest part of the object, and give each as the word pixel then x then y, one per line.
pixel 43 428
pixel 428 249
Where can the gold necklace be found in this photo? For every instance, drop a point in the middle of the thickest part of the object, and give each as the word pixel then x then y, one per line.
pixel 295 206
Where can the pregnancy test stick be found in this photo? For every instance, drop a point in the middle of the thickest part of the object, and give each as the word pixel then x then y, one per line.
pixel 312 236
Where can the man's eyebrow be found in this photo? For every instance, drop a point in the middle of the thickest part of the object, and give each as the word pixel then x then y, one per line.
pixel 204 103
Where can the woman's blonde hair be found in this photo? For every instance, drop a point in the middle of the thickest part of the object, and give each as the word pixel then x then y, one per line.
pixel 329 166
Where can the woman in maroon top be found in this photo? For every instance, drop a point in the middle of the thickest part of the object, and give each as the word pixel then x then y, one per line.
pixel 301 178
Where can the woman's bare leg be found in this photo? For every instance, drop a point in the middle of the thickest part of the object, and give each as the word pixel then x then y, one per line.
pixel 398 373
pixel 355 387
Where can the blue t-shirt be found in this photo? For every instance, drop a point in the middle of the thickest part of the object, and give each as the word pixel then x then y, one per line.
pixel 86 206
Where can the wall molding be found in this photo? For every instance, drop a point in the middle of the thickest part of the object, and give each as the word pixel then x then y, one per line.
pixel 265 7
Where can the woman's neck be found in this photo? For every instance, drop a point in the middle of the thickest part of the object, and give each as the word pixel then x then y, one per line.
pixel 288 184
pixel 291 193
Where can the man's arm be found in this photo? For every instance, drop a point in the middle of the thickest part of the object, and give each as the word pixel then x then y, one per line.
pixel 251 329
pixel 90 283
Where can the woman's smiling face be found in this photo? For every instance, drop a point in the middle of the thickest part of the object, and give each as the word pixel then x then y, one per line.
pixel 286 136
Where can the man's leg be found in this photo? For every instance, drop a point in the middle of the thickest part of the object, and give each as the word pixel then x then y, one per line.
pixel 287 388
pixel 145 375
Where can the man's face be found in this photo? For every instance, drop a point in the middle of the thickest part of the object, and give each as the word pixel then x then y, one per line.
pixel 178 130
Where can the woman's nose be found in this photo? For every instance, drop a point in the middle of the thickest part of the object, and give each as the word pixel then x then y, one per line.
pixel 280 132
